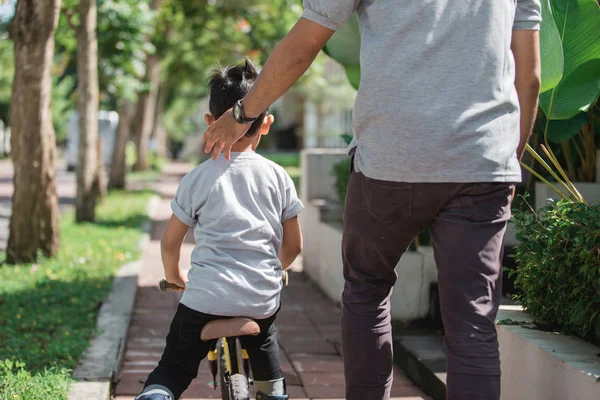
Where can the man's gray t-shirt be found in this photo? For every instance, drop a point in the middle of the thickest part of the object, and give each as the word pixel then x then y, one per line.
pixel 237 209
pixel 437 101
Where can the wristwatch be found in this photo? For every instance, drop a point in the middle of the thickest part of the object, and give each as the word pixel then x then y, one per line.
pixel 239 116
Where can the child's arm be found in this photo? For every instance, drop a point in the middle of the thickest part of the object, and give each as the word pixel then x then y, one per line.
pixel 291 245
pixel 170 246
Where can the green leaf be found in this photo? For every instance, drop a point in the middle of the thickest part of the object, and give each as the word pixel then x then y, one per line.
pixel 353 74
pixel 551 50
pixel 344 45
pixel 561 130
pixel 578 23
pixel 575 94
pixel 347 138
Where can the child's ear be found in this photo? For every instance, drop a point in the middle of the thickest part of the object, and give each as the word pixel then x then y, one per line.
pixel 266 125
pixel 209 119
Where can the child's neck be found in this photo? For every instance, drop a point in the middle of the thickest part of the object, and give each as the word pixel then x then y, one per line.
pixel 243 145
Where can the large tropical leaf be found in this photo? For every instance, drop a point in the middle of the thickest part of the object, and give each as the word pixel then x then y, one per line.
pixel 344 47
pixel 578 22
pixel 561 130
pixel 551 50
pixel 353 74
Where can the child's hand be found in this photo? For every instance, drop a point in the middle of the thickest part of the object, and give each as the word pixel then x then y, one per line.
pixel 178 280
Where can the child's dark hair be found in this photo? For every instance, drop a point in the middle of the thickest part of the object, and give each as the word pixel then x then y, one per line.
pixel 230 84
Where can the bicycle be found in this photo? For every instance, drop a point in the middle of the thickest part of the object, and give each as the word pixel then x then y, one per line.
pixel 227 357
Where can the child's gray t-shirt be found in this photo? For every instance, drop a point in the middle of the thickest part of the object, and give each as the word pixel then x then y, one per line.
pixel 237 209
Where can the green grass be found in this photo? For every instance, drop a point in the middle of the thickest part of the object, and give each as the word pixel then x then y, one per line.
pixel 48 309
pixel 289 161
pixel 284 159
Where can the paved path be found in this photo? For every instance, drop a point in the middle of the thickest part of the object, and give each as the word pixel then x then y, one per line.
pixel 309 331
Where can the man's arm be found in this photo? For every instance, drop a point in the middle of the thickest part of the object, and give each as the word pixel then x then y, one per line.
pixel 290 59
pixel 291 245
pixel 526 50
pixel 170 246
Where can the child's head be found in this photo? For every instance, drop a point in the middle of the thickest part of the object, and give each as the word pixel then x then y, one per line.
pixel 227 86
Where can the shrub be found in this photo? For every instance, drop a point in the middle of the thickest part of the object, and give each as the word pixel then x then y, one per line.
pixel 341 173
pixel 559 266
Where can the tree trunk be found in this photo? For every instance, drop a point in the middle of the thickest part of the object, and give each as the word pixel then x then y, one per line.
pixel 118 167
pixel 88 177
pixel 147 106
pixel 34 218
pixel 146 109
pixel 158 131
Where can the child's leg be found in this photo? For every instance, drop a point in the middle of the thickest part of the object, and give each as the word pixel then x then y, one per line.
pixel 181 357
pixel 263 350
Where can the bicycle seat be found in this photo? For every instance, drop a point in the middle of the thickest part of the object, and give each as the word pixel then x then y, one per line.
pixel 231 327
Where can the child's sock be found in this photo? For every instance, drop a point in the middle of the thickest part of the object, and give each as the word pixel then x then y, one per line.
pixel 275 387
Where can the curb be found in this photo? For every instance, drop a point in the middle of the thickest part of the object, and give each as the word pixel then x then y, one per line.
pixel 102 360
pixel 423 360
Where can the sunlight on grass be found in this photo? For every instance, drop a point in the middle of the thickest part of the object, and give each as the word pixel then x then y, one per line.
pixel 48 309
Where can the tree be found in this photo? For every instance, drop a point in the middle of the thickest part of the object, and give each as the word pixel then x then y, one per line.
pixel 89 169
pixel 34 218
pixel 147 105
pixel 118 165
pixel 194 37
pixel 126 26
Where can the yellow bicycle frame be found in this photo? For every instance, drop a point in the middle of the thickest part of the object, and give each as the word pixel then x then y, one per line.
pixel 227 355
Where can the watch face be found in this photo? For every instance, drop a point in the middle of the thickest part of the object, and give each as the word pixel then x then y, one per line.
pixel 236 112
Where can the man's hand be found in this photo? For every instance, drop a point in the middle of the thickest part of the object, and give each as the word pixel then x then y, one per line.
pixel 290 59
pixel 221 135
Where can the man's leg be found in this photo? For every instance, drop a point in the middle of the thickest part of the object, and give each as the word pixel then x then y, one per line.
pixel 467 238
pixel 381 219
pixel 182 355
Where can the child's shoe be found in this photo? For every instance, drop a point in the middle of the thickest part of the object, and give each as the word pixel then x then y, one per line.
pixel 155 393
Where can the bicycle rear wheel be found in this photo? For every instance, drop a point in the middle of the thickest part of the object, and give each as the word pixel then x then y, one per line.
pixel 234 384
pixel 238 387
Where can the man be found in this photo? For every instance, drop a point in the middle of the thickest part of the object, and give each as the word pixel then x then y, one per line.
pixel 447 101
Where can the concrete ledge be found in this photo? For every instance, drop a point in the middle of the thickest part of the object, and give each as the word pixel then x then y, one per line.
pixel 90 391
pixel 423 359
pixel 101 360
pixel 538 365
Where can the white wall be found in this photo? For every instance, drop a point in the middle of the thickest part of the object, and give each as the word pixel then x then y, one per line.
pixel 589 191
pixel 540 365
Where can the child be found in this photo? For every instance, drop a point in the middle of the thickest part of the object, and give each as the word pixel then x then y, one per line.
pixel 244 214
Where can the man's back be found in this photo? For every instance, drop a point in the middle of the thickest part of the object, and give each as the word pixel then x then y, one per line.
pixel 237 209
pixel 437 101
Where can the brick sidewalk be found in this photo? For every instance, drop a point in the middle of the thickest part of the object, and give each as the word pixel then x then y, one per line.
pixel 308 326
